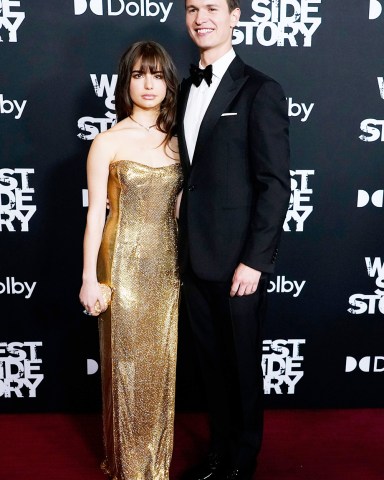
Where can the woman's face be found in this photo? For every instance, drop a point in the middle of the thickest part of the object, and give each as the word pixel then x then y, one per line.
pixel 147 90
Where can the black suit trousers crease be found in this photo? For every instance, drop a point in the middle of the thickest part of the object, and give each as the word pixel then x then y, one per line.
pixel 228 337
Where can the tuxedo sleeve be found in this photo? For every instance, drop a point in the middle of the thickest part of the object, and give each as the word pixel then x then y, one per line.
pixel 269 161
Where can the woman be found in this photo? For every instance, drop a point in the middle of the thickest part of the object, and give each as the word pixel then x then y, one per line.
pixel 135 165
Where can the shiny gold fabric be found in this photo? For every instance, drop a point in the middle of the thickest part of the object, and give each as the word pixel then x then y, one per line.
pixel 138 333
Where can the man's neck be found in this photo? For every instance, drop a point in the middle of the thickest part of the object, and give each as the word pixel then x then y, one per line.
pixel 207 57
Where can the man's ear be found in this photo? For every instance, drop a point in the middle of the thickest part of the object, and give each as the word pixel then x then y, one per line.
pixel 235 17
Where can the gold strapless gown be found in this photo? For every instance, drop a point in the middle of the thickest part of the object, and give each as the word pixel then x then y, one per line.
pixel 138 333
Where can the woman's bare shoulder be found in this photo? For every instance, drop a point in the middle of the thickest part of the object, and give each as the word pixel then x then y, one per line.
pixel 122 127
pixel 174 143
pixel 173 147
pixel 109 138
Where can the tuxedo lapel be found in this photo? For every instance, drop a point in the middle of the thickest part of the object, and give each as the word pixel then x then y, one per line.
pixel 230 85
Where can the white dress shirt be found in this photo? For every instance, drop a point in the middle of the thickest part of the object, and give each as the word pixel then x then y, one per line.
pixel 199 99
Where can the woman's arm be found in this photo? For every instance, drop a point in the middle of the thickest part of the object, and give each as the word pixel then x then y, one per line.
pixel 99 157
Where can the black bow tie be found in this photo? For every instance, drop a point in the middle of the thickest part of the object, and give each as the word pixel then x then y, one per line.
pixel 198 75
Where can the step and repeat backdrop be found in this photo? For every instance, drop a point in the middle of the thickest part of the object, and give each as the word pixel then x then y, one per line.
pixel 324 337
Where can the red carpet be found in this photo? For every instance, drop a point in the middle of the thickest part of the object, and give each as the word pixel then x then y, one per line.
pixel 298 445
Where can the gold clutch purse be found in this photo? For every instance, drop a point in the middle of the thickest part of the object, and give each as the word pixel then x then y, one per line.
pixel 106 292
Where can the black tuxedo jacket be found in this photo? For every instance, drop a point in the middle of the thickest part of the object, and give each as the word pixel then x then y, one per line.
pixel 237 188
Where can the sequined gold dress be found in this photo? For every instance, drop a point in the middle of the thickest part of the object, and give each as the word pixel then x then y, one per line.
pixel 138 333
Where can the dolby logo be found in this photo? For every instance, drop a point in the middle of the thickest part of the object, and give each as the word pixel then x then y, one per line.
pixel 364 198
pixel 143 8
pixel 366 364
pixel 10 286
pixel 281 285
pixel 375 9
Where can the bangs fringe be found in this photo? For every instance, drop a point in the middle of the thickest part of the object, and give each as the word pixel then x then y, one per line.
pixel 150 58
pixel 150 62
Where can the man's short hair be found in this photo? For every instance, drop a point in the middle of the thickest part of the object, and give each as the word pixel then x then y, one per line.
pixel 232 4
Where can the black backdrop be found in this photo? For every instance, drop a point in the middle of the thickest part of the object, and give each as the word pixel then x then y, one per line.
pixel 324 335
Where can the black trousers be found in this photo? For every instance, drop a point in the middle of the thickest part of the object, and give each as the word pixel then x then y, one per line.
pixel 228 335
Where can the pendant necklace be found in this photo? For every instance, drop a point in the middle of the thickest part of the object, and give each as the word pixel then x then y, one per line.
pixel 141 125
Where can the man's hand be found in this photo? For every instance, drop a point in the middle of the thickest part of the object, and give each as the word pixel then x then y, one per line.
pixel 245 281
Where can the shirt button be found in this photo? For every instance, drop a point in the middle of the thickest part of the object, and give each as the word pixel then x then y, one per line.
pixel 191 188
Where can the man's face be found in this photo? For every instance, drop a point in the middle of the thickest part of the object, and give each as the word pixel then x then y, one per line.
pixel 210 23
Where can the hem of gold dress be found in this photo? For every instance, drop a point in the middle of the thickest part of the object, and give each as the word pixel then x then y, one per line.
pixel 105 469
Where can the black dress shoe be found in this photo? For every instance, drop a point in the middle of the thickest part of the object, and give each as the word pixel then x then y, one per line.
pixel 212 468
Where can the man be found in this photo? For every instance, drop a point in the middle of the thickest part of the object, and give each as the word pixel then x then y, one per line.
pixel 233 140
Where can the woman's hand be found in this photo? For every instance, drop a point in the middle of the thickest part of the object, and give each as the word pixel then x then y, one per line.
pixel 90 294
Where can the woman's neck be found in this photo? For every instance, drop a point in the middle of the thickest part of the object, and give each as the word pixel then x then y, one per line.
pixel 146 117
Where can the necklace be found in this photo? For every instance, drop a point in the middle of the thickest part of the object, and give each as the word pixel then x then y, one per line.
pixel 141 125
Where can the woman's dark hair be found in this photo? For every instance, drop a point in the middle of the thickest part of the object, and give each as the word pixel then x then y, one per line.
pixel 154 58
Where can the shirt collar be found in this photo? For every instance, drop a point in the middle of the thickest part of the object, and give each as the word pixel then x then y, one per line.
pixel 221 65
